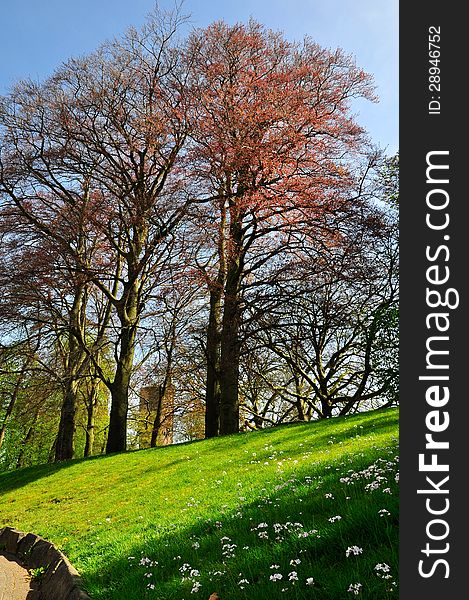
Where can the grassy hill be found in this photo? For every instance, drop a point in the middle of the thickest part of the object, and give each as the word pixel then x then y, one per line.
pixel 298 511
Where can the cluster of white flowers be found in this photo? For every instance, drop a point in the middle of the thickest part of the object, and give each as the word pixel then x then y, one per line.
pixel 227 548
pixel 379 472
pixel 355 550
pixel 242 583
pixel 333 519
pixel 383 571
pixel 376 476
pixel 355 588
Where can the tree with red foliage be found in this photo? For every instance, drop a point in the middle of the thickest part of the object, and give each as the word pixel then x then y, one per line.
pixel 273 142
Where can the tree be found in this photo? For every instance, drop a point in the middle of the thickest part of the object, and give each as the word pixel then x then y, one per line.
pixel 105 133
pixel 271 139
pixel 330 327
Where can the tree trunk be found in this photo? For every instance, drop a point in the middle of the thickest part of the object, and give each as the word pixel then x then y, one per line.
pixel 229 372
pixel 64 444
pixel 20 460
pixel 229 339
pixel 212 391
pixel 11 404
pixel 74 363
pixel 117 434
pixel 90 418
pixel 213 385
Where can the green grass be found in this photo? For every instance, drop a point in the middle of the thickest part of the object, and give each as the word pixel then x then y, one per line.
pixel 219 511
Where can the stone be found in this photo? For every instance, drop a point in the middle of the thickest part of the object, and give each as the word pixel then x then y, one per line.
pixel 60 580
pixel 25 545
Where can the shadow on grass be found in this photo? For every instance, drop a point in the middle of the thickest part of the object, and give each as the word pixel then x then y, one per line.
pixel 323 558
pixel 320 430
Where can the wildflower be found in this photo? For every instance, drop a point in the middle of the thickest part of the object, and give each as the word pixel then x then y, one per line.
pixel 242 583
pixel 383 512
pixel 275 566
pixel 276 577
pixel 310 581
pixel 336 518
pixel 383 571
pixel 196 587
pixel 353 550
pixel 293 576
pixel 196 545
pixel 354 588
pixel 295 561
pixel 329 495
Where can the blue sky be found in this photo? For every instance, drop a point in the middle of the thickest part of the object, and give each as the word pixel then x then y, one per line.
pixel 38 35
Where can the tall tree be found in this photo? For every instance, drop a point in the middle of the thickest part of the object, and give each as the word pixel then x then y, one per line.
pixel 272 137
pixel 111 125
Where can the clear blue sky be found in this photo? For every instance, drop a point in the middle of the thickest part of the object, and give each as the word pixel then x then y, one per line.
pixel 37 35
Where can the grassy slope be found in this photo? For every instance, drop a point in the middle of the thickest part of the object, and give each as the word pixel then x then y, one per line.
pixel 201 517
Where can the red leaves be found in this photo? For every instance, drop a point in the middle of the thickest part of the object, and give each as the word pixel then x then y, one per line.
pixel 271 118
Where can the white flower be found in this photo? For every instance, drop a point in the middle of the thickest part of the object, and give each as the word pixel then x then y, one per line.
pixel 333 519
pixel 353 550
pixel 196 587
pixel 295 561
pixel 275 566
pixel 383 512
pixel 276 577
pixel 310 581
pixel 293 576
pixel 354 588
pixel 382 567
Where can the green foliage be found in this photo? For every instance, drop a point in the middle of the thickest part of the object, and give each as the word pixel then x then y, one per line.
pixel 38 573
pixel 207 515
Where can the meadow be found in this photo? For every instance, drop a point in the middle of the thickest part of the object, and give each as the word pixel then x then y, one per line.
pixel 298 511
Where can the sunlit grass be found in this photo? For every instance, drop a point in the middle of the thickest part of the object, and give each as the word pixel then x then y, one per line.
pixel 230 515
